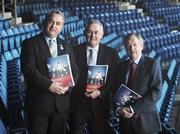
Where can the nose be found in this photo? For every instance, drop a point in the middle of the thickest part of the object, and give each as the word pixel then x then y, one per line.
pixel 131 48
pixel 53 24
pixel 93 34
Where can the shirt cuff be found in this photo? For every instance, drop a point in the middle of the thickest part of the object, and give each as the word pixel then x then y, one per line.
pixel 116 112
pixel 131 109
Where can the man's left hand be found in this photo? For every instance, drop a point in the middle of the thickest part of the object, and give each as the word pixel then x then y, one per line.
pixel 92 93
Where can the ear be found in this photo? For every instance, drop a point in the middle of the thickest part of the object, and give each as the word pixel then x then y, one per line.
pixel 102 34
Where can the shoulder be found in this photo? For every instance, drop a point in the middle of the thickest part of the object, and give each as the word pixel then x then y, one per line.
pixel 107 49
pixel 150 62
pixel 123 63
pixel 79 47
pixel 33 39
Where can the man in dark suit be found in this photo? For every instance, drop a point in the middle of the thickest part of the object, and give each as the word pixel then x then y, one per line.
pixel 92 106
pixel 141 117
pixel 47 101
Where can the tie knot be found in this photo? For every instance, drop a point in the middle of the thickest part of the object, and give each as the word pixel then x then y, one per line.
pixel 53 48
pixel 92 56
pixel 51 42
pixel 133 66
pixel 92 50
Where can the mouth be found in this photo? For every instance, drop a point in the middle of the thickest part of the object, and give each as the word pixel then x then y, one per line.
pixel 52 30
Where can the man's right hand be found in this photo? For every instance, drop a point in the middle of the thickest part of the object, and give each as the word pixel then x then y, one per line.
pixel 57 88
pixel 125 111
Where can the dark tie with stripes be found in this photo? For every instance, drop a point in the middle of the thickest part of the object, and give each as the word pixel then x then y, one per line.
pixel 131 74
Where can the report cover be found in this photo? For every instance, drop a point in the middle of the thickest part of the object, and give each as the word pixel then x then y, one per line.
pixel 97 75
pixel 125 96
pixel 60 70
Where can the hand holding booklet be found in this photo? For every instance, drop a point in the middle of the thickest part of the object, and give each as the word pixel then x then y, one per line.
pixel 97 75
pixel 60 70
pixel 125 96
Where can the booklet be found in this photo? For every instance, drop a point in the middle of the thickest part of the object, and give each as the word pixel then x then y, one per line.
pixel 97 75
pixel 125 96
pixel 59 69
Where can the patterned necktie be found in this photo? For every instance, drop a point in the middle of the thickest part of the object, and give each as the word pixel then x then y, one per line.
pixel 53 48
pixel 92 57
pixel 131 74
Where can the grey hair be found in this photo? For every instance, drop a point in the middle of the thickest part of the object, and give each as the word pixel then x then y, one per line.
pixel 93 21
pixel 129 36
pixel 48 16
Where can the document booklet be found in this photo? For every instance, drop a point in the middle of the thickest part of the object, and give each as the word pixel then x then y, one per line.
pixel 97 75
pixel 125 96
pixel 60 70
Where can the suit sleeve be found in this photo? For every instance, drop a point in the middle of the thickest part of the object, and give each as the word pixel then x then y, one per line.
pixel 108 87
pixel 154 87
pixel 29 67
pixel 74 67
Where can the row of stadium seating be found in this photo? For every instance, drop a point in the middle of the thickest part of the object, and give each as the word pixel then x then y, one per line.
pixel 154 5
pixel 13 37
pixel 155 42
pixel 172 20
pixel 4 23
pixel 160 12
pixel 92 9
pixel 114 16
pixel 144 31
pixel 117 24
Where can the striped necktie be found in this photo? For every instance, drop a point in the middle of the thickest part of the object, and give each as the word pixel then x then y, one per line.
pixel 53 48
pixel 132 70
pixel 92 57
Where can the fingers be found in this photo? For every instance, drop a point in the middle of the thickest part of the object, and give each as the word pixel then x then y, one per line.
pixel 125 111
pixel 57 88
pixel 92 93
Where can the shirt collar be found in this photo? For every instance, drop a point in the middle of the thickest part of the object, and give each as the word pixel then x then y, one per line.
pixel 138 59
pixel 48 38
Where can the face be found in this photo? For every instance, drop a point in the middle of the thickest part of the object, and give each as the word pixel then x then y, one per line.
pixel 54 25
pixel 134 47
pixel 94 34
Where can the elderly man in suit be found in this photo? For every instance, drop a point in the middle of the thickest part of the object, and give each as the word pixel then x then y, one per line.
pixel 47 101
pixel 92 107
pixel 143 75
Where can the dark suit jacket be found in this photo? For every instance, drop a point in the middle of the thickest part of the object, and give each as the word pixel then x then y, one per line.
pixel 34 54
pixel 100 106
pixel 147 83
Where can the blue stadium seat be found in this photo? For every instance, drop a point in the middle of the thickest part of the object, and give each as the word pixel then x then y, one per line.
pixel 15 53
pixel 27 31
pixel 163 94
pixel 108 38
pixel 4 41
pixel 17 37
pixel 6 23
pixel 8 56
pixel 22 33
pixel 11 44
pixel 1 23
pixel 3 94
pixel 171 69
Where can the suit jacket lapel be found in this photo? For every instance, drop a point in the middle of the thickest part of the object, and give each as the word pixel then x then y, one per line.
pixel 100 55
pixel 44 46
pixel 84 55
pixel 139 69
pixel 61 47
pixel 127 69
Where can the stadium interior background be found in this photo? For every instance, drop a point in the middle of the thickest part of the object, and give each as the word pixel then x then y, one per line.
pixel 157 20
